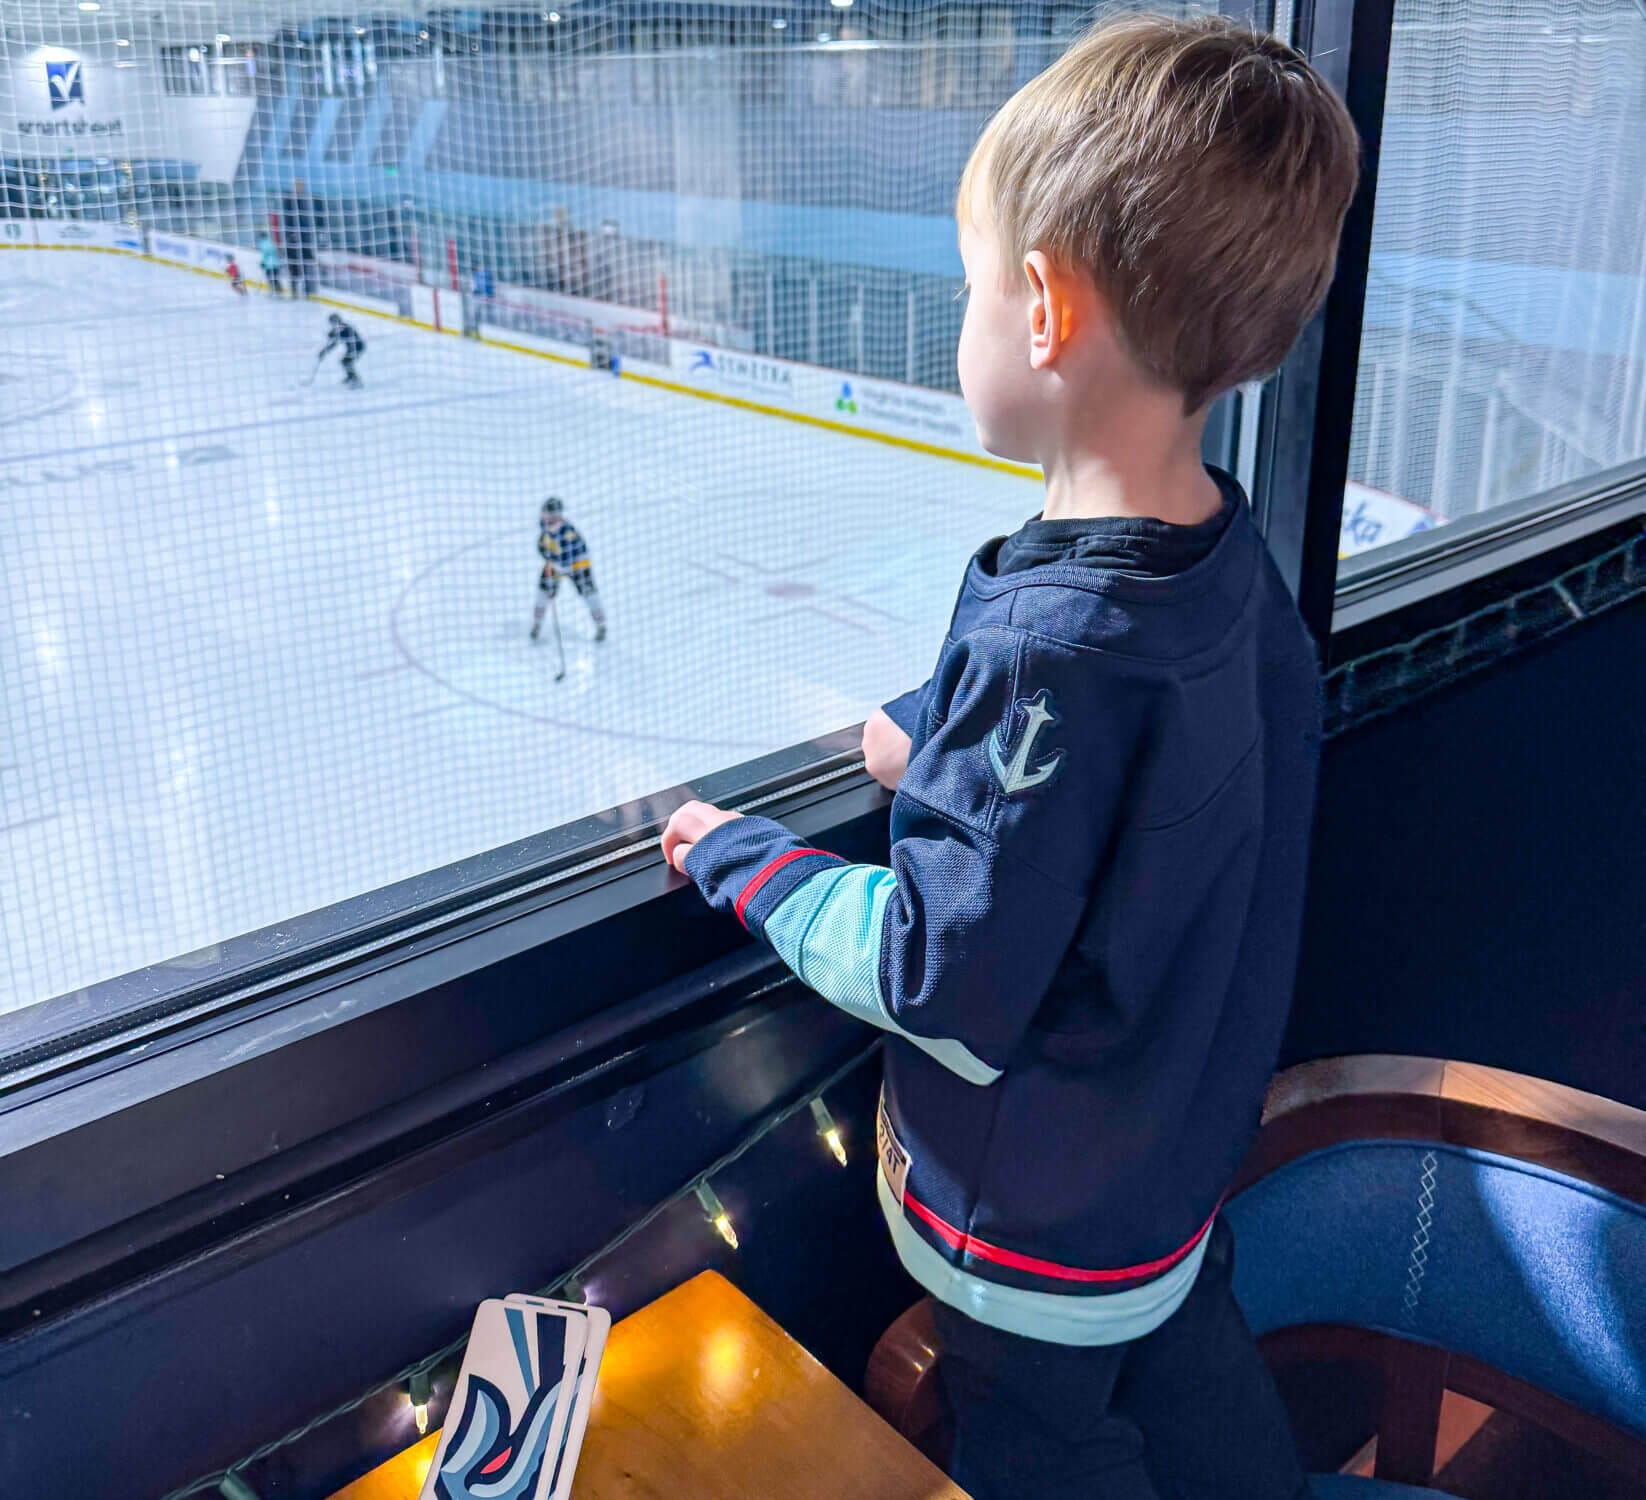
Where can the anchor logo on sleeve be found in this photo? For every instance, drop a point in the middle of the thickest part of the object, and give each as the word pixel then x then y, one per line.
pixel 1015 775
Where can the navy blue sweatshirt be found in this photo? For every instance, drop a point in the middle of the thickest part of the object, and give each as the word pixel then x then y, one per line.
pixel 1085 941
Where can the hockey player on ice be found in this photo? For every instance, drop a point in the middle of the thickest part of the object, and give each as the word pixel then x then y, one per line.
pixel 353 346
pixel 270 257
pixel 564 552
pixel 236 280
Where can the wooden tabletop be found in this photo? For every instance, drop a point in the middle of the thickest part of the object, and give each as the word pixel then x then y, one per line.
pixel 703 1397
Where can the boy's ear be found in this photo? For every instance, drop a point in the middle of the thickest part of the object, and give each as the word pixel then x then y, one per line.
pixel 1052 313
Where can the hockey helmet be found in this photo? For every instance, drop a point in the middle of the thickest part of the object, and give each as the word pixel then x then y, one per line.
pixel 335 320
pixel 554 506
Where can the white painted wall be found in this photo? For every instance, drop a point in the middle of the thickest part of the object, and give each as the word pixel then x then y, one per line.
pixel 211 131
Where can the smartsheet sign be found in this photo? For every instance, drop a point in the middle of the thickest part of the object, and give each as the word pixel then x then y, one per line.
pixel 65 83
pixel 65 79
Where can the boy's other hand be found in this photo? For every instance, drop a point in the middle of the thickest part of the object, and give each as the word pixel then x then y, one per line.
pixel 687 825
pixel 885 749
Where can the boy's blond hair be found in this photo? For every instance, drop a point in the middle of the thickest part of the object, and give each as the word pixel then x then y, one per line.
pixel 1199 171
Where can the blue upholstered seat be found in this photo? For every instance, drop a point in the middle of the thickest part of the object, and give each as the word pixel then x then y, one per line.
pixel 1345 1487
pixel 1535 1273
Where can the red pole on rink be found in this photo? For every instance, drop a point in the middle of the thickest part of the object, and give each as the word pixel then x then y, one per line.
pixel 451 261
pixel 663 302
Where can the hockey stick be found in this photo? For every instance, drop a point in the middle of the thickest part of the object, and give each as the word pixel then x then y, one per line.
pixel 559 645
pixel 315 371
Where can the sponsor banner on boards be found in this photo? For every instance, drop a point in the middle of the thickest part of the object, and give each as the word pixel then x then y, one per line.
pixel 901 410
pixel 1374 518
pixel 91 232
pixel 734 373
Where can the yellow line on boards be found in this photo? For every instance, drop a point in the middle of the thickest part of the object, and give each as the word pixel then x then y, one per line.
pixel 372 312
pixel 805 419
pixel 99 249
pixel 177 265
pixel 559 359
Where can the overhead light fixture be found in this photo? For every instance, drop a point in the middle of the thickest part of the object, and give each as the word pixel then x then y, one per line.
pixel 423 35
pixel 122 41
pixel 90 5
pixel 780 24
pixel 359 30
pixel 554 18
pixel 841 4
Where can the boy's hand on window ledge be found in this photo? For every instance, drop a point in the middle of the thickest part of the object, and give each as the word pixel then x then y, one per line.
pixel 885 749
pixel 686 826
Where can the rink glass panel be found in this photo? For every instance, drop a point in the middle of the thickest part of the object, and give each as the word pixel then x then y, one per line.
pixel 1504 349
pixel 265 642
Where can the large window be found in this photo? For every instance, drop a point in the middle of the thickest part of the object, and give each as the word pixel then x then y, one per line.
pixel 276 660
pixel 1504 347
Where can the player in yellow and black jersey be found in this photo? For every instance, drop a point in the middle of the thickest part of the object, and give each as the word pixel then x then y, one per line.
pixel 564 553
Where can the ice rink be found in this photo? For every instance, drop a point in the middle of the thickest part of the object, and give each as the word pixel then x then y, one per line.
pixel 264 647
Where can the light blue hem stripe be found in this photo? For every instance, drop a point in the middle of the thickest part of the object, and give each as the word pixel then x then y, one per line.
pixel 828 930
pixel 1116 1318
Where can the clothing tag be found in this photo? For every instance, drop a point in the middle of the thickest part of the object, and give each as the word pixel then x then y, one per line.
pixel 894 1160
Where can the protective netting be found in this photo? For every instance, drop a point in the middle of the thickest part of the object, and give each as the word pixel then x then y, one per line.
pixel 1504 349
pixel 265 640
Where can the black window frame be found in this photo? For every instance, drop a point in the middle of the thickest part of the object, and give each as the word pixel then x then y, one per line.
pixel 334 1041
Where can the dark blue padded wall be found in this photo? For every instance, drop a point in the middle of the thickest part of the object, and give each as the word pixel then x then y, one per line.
pixel 1478 888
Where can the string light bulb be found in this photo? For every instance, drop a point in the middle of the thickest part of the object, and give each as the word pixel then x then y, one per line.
pixel 572 1290
pixel 233 1487
pixel 830 1131
pixel 715 1211
pixel 417 1392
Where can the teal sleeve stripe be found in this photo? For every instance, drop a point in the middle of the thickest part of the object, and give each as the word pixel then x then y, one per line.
pixel 828 930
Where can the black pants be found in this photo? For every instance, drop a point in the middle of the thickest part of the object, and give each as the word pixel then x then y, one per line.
pixel 582 580
pixel 1186 1413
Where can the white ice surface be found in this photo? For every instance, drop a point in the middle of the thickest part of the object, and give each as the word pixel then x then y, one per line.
pixel 263 648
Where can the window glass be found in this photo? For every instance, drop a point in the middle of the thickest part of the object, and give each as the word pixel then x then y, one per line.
pixel 1504 347
pixel 287 644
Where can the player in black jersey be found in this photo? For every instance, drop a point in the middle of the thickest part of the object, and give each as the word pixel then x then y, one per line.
pixel 353 346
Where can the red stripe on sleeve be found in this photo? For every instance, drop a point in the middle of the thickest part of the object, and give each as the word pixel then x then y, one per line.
pixel 753 888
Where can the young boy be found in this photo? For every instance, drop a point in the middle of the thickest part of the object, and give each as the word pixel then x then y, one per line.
pixel 236 280
pixel 564 552
pixel 1084 945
